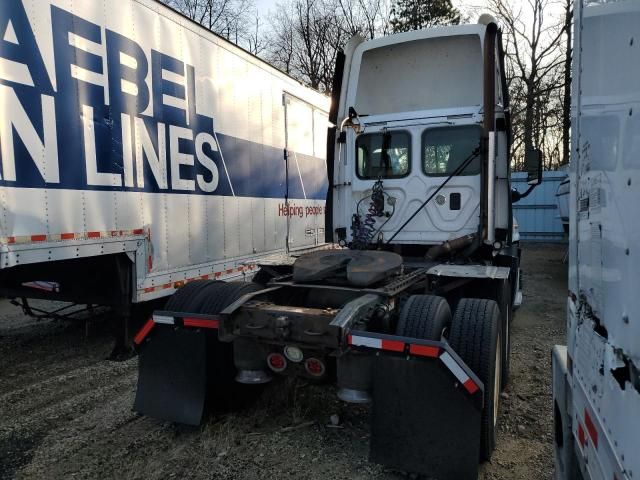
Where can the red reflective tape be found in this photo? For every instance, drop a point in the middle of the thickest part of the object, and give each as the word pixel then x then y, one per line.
pixel 67 236
pixel 149 289
pixel 201 323
pixel 93 234
pixel 392 345
pixel 11 240
pixel 591 428
pixel 138 231
pixel 229 271
pixel 349 340
pixel 217 274
pixel 144 331
pixel 205 277
pixel 167 285
pixel 150 263
pixel 38 238
pixel 581 437
pixel 424 351
pixel 471 386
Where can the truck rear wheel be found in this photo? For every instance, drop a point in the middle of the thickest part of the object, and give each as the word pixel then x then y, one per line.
pixel 182 370
pixel 425 317
pixel 212 299
pixel 476 336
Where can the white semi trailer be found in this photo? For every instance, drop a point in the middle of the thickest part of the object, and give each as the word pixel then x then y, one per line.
pixel 140 151
pixel 596 376
pixel 412 312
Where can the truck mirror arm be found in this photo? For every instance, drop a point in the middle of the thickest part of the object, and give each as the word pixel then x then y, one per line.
pixel 516 196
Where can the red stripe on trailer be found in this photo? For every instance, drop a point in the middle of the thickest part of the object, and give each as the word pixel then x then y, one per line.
pixel 11 240
pixel 471 386
pixel 591 428
pixel 205 277
pixel 149 289
pixel 144 331
pixel 38 238
pixel 138 231
pixel 393 345
pixel 67 236
pixel 201 323
pixel 167 285
pixel 424 351
pixel 581 436
pixel 150 263
pixel 229 271
pixel 93 234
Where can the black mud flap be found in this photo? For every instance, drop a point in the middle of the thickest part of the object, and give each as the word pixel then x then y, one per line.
pixel 172 375
pixel 426 408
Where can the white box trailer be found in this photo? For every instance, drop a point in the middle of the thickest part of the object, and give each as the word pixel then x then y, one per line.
pixel 596 376
pixel 140 151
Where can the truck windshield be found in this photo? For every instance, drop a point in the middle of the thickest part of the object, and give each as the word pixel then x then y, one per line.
pixel 372 160
pixel 444 149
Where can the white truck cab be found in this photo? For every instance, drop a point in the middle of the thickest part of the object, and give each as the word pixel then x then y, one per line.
pixel 415 103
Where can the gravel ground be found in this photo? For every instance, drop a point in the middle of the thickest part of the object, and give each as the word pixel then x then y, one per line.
pixel 65 411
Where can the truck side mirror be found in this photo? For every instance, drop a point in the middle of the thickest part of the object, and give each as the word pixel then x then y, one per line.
pixel 533 166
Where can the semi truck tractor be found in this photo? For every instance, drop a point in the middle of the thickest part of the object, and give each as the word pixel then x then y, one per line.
pixel 140 151
pixel 410 310
pixel 596 376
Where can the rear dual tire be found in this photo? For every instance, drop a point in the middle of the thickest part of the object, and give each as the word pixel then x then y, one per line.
pixel 426 317
pixel 211 297
pixel 476 336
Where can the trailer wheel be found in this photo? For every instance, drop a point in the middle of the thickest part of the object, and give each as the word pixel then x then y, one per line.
pixel 211 297
pixel 425 317
pixel 476 337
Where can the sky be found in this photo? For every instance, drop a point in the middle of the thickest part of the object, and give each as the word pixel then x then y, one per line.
pixel 264 6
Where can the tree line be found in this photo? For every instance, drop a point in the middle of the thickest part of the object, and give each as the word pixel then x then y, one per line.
pixel 302 38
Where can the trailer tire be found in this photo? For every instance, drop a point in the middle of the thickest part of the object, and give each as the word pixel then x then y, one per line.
pixel 476 337
pixel 425 317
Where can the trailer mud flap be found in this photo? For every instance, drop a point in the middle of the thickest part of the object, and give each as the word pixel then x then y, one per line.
pixel 426 408
pixel 172 376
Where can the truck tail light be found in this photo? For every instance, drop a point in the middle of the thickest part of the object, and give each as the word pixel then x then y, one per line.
pixel 314 367
pixel 277 362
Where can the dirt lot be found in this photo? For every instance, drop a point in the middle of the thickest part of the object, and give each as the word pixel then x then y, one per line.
pixel 65 411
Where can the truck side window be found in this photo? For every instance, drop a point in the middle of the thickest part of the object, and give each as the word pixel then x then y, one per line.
pixel 371 163
pixel 444 149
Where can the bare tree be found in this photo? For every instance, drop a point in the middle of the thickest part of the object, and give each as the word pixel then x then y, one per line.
pixel 368 18
pixel 566 100
pixel 536 61
pixel 306 36
pixel 254 38
pixel 228 18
